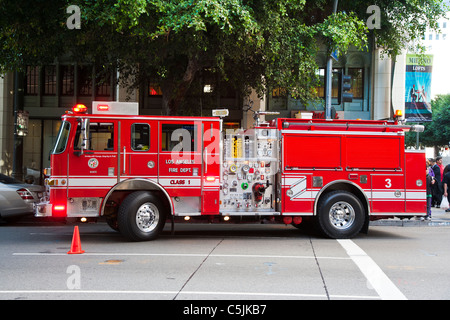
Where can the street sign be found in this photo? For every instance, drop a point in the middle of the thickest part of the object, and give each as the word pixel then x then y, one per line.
pixel 335 55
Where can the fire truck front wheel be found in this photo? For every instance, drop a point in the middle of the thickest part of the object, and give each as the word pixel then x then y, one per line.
pixel 340 215
pixel 141 216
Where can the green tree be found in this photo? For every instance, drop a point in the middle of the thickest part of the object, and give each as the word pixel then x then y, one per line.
pixel 402 22
pixel 256 44
pixel 437 132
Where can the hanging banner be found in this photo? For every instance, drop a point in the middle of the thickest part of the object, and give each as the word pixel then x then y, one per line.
pixel 418 88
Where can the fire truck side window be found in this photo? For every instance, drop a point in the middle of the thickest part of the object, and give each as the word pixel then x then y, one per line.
pixel 179 137
pixel 140 137
pixel 101 136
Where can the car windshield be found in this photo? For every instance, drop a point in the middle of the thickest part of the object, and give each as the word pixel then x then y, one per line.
pixel 8 180
pixel 61 140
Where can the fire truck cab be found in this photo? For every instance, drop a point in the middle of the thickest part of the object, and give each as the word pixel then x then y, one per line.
pixel 139 171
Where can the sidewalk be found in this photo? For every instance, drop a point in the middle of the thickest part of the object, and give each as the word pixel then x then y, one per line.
pixel 438 218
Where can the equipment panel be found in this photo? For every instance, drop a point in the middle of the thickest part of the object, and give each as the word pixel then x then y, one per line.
pixel 250 166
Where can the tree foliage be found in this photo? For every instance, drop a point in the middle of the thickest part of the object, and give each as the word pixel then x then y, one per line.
pixel 256 44
pixel 437 132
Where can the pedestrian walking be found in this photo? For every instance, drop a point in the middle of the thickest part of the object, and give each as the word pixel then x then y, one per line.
pixel 446 184
pixel 437 187
pixel 430 163
pixel 430 182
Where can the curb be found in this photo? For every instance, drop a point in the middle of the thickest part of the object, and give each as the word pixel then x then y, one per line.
pixel 410 223
pixel 439 219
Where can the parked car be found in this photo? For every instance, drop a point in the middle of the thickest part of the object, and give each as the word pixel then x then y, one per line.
pixel 16 197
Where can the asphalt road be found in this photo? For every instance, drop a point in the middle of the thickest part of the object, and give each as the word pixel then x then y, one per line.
pixel 225 262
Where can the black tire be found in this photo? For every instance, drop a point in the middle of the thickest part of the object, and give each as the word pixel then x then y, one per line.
pixel 340 215
pixel 141 216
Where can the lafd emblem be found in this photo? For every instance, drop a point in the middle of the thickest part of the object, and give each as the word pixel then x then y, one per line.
pixel 93 163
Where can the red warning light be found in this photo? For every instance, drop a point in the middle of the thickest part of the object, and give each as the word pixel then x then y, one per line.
pixel 102 107
pixel 79 108
pixel 59 210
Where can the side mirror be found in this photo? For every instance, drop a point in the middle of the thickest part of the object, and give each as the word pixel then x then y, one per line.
pixel 84 136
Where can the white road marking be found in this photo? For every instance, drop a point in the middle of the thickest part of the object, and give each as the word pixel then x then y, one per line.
pixel 207 293
pixel 177 255
pixel 373 273
pixel 375 276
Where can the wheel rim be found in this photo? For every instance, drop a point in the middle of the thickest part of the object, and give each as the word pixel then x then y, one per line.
pixel 342 215
pixel 147 217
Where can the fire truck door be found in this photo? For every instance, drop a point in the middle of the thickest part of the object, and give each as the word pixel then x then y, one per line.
pixel 180 160
pixel 388 193
pixel 140 150
pixel 93 167
pixel 211 167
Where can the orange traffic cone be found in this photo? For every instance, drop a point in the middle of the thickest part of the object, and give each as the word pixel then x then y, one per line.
pixel 76 244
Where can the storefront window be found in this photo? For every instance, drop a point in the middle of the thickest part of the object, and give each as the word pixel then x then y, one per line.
pixel 50 80
pixel 32 81
pixel 85 81
pixel 357 82
pixel 67 79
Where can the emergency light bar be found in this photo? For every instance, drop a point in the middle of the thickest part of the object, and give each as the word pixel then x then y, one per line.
pixel 102 107
pixel 114 108
pixel 79 108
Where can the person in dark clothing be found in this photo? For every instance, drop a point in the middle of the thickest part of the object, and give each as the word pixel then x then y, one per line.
pixel 437 187
pixel 446 184
pixel 430 183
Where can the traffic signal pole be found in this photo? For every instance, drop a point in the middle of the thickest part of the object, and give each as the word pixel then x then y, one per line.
pixel 329 76
pixel 328 88
pixel 17 172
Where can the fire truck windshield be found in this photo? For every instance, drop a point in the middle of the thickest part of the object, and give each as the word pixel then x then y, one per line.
pixel 61 140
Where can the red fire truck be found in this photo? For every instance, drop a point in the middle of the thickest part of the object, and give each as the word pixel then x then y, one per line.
pixel 140 171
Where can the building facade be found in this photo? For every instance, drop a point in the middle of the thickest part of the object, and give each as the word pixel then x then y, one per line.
pixel 438 44
pixel 49 91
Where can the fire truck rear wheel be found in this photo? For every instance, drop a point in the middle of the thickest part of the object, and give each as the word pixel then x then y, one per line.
pixel 340 215
pixel 141 216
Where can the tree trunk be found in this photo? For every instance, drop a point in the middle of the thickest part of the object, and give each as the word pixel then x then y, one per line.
pixel 175 92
